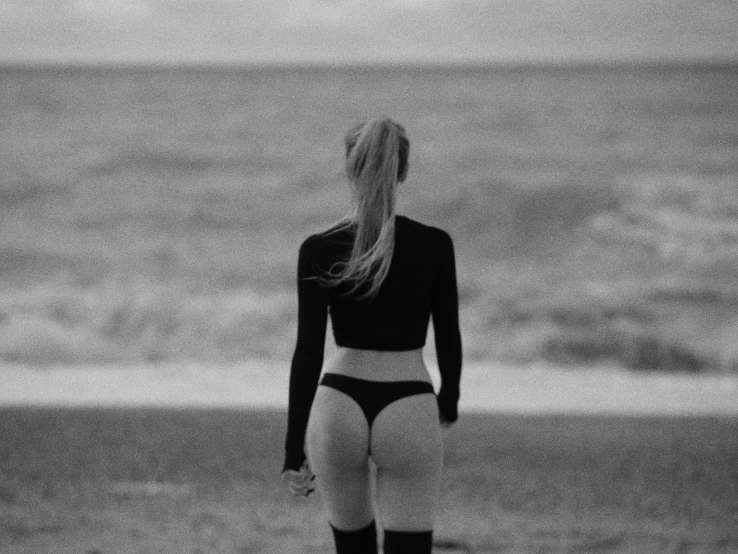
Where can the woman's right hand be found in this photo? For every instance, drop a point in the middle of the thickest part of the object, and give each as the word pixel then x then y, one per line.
pixel 300 483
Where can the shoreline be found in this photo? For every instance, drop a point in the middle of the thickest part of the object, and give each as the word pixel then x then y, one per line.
pixel 486 388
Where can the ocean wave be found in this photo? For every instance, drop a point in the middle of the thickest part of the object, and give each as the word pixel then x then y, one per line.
pixel 175 162
pixel 20 193
pixel 149 160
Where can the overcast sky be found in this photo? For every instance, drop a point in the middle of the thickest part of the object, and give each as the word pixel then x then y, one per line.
pixel 380 31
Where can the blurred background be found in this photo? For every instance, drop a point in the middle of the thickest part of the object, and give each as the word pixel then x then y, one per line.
pixel 161 161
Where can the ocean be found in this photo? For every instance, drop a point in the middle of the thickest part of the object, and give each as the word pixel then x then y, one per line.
pixel 152 215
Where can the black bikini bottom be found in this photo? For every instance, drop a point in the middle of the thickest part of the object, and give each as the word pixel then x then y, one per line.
pixel 374 396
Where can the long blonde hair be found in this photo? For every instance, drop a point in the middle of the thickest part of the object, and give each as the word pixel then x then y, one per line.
pixel 376 160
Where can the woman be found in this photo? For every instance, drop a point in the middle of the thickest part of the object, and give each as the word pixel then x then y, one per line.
pixel 382 276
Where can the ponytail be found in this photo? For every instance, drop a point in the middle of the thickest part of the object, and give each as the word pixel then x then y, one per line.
pixel 376 160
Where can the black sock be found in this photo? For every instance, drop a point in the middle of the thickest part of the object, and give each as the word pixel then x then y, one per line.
pixel 359 541
pixel 408 542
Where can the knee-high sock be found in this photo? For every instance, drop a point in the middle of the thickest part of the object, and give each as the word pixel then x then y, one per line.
pixel 408 542
pixel 360 541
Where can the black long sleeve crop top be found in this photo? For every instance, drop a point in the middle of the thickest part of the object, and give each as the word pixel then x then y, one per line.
pixel 420 284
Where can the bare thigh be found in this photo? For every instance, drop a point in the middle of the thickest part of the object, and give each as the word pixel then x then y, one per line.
pixel 407 448
pixel 337 450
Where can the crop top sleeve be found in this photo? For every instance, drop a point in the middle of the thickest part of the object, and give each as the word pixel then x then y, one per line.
pixel 307 361
pixel 445 311
pixel 420 284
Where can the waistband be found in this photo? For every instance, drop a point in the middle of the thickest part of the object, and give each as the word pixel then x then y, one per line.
pixel 336 378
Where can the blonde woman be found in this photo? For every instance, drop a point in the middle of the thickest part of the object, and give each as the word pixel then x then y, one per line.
pixel 382 277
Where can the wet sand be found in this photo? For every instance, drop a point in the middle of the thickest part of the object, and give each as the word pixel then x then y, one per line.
pixel 486 388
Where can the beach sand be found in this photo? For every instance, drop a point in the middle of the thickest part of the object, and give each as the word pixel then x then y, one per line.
pixel 146 480
pixel 486 388
pixel 165 459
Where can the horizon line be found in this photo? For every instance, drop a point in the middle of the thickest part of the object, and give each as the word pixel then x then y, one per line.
pixel 521 64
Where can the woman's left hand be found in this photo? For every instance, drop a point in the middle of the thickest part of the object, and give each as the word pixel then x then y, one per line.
pixel 300 483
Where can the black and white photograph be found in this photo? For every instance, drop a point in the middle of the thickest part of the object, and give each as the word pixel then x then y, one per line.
pixel 363 277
